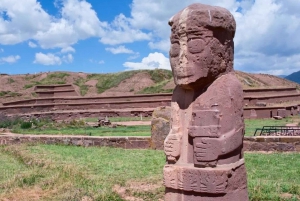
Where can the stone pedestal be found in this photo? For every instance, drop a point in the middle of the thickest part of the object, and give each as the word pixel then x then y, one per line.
pixel 222 183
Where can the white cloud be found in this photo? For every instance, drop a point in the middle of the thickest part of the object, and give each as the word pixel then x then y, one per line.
pixel 163 44
pixel 25 20
pixel 272 45
pixel 152 61
pixel 32 44
pixel 10 59
pixel 97 62
pixel 121 31
pixel 135 56
pixel 47 59
pixel 68 58
pixel 154 15
pixel 52 59
pixel 261 63
pixel 266 29
pixel 119 50
pixel 78 21
pixel 67 49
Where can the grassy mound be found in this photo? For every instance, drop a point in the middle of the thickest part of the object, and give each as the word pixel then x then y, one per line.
pixel 52 78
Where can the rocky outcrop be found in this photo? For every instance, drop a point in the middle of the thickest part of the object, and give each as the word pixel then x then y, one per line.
pixel 160 126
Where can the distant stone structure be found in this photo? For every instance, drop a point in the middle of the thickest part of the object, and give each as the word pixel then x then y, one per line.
pixel 59 90
pixel 204 146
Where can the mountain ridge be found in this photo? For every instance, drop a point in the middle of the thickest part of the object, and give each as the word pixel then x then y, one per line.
pixel 295 77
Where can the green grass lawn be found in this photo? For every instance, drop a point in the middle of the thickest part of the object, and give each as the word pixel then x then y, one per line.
pixel 90 131
pixel 52 172
pixel 252 124
pixel 270 176
pixel 78 127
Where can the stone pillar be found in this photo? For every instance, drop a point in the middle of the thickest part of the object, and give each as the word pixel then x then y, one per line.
pixel 204 145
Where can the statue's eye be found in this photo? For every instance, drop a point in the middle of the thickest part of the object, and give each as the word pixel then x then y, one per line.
pixel 196 45
pixel 175 49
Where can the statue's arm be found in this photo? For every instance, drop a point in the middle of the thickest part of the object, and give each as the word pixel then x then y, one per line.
pixel 231 140
pixel 210 149
pixel 217 130
pixel 172 143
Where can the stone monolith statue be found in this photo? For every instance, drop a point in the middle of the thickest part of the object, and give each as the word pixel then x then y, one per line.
pixel 204 146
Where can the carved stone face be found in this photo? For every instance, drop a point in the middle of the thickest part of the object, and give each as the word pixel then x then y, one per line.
pixel 200 52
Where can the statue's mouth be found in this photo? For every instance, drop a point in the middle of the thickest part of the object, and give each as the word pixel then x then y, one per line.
pixel 183 76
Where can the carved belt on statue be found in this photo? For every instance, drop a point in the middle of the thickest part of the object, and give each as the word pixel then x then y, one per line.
pixel 201 180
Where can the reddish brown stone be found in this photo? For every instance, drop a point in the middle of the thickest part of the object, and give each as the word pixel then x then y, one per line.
pixel 297 147
pixel 282 113
pixel 253 114
pixel 277 117
pixel 160 126
pixel 204 146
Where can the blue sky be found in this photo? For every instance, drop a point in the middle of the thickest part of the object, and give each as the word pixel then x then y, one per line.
pixel 116 35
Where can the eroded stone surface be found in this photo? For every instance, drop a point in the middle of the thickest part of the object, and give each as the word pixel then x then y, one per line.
pixel 204 145
pixel 160 126
pixel 282 113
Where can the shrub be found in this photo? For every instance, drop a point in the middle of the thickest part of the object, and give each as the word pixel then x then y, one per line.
pixel 8 122
pixel 160 75
pixel 107 81
pixel 27 86
pixel 26 125
pixel 3 93
pixel 157 88
pixel 10 80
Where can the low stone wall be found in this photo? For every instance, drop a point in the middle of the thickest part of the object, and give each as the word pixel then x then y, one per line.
pixel 269 112
pixel 56 93
pixel 252 97
pixel 118 142
pixel 278 98
pixel 77 114
pixel 54 87
pixel 55 90
pixel 269 91
pixel 272 143
pixel 96 99
pixel 267 143
pixel 115 109
pixel 19 109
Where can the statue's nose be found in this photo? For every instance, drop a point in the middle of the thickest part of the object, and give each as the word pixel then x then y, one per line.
pixel 183 55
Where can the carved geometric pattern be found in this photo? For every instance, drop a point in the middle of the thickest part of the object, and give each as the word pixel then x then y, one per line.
pixel 205 118
pixel 196 179
pixel 204 131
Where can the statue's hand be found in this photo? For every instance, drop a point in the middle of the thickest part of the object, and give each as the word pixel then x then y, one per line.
pixel 206 149
pixel 172 146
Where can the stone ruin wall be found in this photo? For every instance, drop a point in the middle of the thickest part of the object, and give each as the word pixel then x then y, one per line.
pixel 48 104
pixel 55 90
